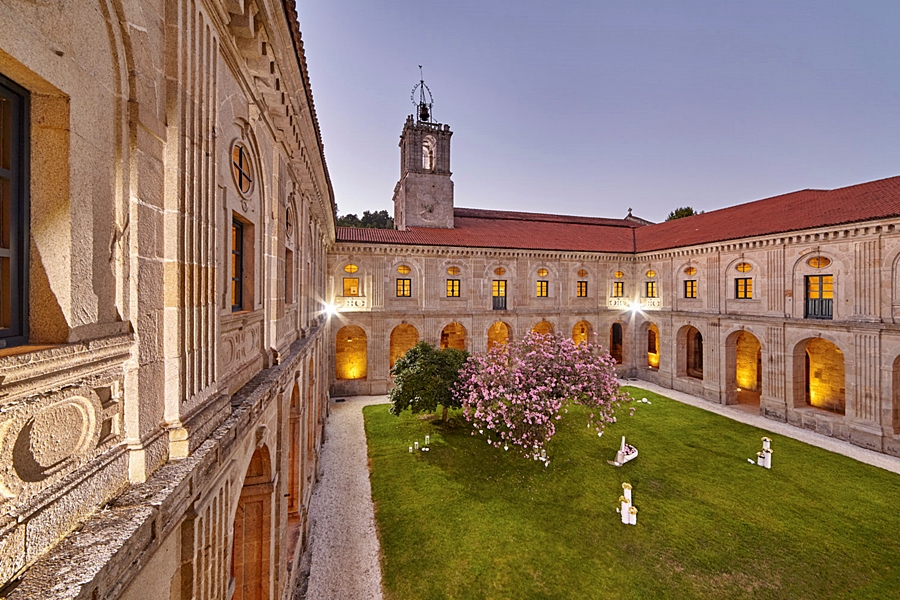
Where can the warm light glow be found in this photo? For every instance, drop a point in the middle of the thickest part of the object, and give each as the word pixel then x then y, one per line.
pixel 619 274
pixel 453 271
pixel 542 272
pixel 582 273
pixel 651 273
pixel 403 269
pixel 351 268
pixel 499 271
pixel 634 306
pixel 744 267
pixel 331 309
pixel 690 271
pixel 819 262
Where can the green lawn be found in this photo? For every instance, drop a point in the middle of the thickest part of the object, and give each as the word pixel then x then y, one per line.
pixel 467 521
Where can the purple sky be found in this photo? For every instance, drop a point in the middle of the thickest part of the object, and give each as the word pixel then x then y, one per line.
pixel 591 107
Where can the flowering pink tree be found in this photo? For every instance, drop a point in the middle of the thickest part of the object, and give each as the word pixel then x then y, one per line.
pixel 514 393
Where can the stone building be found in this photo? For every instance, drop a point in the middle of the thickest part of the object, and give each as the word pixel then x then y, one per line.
pixel 166 213
pixel 789 304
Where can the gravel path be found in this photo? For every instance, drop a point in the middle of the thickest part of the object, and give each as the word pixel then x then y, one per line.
pixel 344 548
pixel 734 412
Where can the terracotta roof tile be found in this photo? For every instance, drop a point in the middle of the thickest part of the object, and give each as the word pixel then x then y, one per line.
pixel 795 211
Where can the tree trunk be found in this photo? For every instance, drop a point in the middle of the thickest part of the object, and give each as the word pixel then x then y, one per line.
pixel 445 414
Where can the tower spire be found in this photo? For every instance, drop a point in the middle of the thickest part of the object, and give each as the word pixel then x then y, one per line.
pixel 424 101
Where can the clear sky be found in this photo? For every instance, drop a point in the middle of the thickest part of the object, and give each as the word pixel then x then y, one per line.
pixel 590 107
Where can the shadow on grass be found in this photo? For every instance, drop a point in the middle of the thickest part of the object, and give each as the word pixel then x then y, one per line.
pixel 466 520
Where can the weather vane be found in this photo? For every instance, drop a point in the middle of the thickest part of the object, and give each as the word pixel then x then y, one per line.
pixel 424 101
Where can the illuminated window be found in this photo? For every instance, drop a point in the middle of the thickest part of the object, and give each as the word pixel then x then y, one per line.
pixel 499 271
pixel 618 289
pixel 619 274
pixel 403 269
pixel 650 289
pixel 581 292
pixel 819 297
pixel 690 288
pixel 651 273
pixel 744 267
pixel 690 271
pixel 819 262
pixel 351 286
pixel 542 289
pixel 743 288
pixel 237 265
pixel 351 268
pixel 453 288
pixel 13 213
pixel 241 168
pixel 582 273
pixel 542 272
pixel 404 288
pixel 498 293
pixel 453 271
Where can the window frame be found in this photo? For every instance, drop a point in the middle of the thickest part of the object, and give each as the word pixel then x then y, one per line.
pixel 618 290
pixel 19 176
pixel 498 294
pixel 743 288
pixel 581 289
pixel 453 288
pixel 690 289
pixel 542 288
pixel 827 304
pixel 344 293
pixel 237 264
pixel 404 287
pixel 651 290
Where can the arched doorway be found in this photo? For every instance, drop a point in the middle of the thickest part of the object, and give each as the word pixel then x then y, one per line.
pixel 616 342
pixel 693 353
pixel 350 353
pixel 743 354
pixel 652 346
pixel 403 337
pixel 252 529
pixel 819 376
pixel 582 332
pixel 895 396
pixel 498 333
pixel 295 446
pixel 454 336
pixel 543 327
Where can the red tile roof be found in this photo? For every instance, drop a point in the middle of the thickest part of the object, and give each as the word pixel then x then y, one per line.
pixel 795 211
pixel 502 229
pixel 805 209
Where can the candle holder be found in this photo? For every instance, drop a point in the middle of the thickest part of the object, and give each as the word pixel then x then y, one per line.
pixel 632 515
pixel 626 490
pixel 416 444
pixel 427 440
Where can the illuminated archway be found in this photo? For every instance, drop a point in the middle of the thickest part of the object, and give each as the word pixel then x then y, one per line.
pixel 498 333
pixel 403 337
pixel 743 355
pixel 616 342
pixel 454 336
pixel 652 346
pixel 819 375
pixel 582 332
pixel 690 352
pixel 250 556
pixel 543 328
pixel 350 353
pixel 295 459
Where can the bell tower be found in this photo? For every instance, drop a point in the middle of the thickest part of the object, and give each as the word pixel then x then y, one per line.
pixel 424 195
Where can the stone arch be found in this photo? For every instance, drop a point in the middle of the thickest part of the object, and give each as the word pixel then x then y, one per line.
pixel 454 336
pixel 582 332
pixel 295 452
pixel 690 352
pixel 743 368
pixel 819 376
pixel 403 337
pixel 312 415
pixel 543 327
pixel 617 342
pixel 895 396
pixel 498 333
pixel 351 353
pixel 652 337
pixel 252 531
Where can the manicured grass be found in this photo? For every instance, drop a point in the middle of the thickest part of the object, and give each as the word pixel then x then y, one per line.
pixel 467 521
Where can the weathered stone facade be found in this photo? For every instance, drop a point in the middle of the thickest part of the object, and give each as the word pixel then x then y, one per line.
pixel 160 425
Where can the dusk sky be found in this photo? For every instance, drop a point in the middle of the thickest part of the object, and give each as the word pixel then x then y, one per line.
pixel 592 107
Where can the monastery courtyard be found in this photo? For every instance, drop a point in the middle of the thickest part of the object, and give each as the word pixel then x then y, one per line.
pixel 344 547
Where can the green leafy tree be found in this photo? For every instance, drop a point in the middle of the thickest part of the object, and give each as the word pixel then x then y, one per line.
pixel 369 220
pixel 684 211
pixel 426 378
